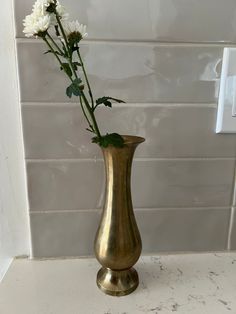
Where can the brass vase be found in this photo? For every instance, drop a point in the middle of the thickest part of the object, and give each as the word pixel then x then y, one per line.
pixel 118 243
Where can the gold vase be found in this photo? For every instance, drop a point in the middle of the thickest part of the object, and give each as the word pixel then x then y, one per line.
pixel 118 243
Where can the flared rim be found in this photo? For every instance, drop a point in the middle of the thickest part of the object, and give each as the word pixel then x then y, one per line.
pixel 132 139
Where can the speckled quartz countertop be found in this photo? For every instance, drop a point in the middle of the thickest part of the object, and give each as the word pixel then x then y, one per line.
pixel 190 283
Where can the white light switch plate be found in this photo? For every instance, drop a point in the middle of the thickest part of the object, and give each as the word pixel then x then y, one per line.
pixel 226 115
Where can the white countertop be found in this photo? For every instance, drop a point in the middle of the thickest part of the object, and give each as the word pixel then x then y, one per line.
pixel 182 284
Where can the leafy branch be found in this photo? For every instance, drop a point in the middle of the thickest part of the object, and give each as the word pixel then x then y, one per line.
pixel 73 67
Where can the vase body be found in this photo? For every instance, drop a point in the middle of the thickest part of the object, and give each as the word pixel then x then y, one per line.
pixel 118 243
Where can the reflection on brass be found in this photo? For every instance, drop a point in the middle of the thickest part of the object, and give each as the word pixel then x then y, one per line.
pixel 117 243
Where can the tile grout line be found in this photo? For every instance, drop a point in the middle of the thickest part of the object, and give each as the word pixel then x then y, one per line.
pixel 144 105
pixel 232 211
pixel 163 159
pixel 141 42
pixel 98 210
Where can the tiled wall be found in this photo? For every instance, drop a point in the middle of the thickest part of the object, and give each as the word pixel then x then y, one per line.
pixel 164 58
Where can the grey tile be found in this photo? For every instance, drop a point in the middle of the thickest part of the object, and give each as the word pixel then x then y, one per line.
pixel 169 20
pixel 58 131
pixel 72 233
pixel 183 183
pixel 183 229
pixel 59 185
pixel 148 73
pixel 65 185
pixel 63 234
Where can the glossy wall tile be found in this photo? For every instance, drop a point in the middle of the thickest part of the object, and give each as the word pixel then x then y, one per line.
pixel 169 230
pixel 72 233
pixel 170 131
pixel 61 185
pixel 183 183
pixel 169 20
pixel 164 59
pixel 147 73
pixel 65 185
pixel 63 234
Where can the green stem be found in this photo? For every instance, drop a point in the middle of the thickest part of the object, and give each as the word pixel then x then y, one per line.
pixel 86 77
pixel 55 44
pixel 54 52
pixel 90 110
pixel 86 117
pixel 62 30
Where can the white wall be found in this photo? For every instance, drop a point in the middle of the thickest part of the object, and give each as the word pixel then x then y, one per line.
pixel 14 231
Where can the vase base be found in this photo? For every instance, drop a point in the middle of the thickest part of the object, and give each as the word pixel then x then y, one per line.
pixel 117 282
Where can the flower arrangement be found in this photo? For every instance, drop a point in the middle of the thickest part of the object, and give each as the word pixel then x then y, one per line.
pixel 50 16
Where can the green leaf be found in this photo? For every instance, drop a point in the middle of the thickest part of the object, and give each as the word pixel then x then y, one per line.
pixel 113 139
pixel 75 48
pixel 69 91
pixel 76 65
pixel 106 101
pixel 50 51
pixel 66 68
pixel 74 88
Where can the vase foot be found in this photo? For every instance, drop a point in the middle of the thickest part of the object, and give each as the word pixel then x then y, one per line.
pixel 117 282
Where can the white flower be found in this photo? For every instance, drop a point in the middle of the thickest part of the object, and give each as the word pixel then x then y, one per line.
pixel 40 19
pixel 62 12
pixel 35 24
pixel 75 27
pixel 40 7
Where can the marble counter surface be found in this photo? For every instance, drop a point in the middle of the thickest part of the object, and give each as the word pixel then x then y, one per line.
pixel 185 283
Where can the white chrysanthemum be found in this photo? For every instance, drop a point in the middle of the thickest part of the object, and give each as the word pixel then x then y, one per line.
pixel 35 24
pixel 62 12
pixel 40 7
pixel 75 27
pixel 44 3
pixel 40 19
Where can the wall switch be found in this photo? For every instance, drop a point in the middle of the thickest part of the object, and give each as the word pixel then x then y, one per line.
pixel 226 114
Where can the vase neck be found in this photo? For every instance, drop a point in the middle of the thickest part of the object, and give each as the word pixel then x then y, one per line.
pixel 118 163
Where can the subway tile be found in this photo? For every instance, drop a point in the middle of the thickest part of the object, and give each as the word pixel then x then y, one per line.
pixel 53 131
pixel 169 20
pixel 63 234
pixel 233 233
pixel 148 73
pixel 60 185
pixel 65 185
pixel 56 132
pixel 184 229
pixel 183 183
pixel 72 234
